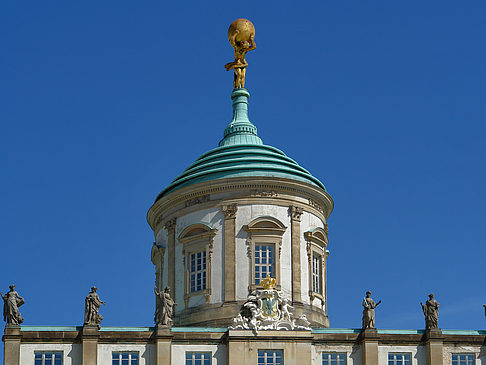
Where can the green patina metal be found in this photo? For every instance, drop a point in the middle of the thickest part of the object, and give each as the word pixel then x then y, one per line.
pixel 241 153
pixel 199 329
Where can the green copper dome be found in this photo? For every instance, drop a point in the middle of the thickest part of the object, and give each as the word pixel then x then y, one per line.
pixel 241 153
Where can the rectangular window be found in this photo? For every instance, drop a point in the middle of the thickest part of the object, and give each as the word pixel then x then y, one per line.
pixel 264 262
pixel 398 359
pixel 125 358
pixel 198 271
pixel 198 358
pixel 47 358
pixel 270 357
pixel 462 359
pixel 316 273
pixel 333 359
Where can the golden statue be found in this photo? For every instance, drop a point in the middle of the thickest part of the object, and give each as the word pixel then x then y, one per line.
pixel 241 35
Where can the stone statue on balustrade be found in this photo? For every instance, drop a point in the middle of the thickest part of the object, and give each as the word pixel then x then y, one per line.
pixel 431 312
pixel 11 303
pixel 369 306
pixel 92 306
pixel 164 311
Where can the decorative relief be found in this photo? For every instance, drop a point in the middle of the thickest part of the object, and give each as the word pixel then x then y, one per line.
pixel 316 205
pixel 197 200
pixel 248 247
pixel 296 212
pixel 264 193
pixel 170 224
pixel 268 309
pixel 229 210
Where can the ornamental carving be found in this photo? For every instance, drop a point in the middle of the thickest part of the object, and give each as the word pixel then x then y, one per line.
pixel 267 309
pixel 170 224
pixel 198 200
pixel 316 205
pixel 229 210
pixel 265 193
pixel 296 212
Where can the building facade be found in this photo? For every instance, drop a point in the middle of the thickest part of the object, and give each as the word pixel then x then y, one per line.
pixel 241 214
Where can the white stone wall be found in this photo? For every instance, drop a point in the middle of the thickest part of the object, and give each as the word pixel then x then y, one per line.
pixel 353 353
pixel 479 353
pixel 245 214
pixel 72 353
pixel 308 222
pixel 218 353
pixel 146 352
pixel 214 218
pixel 418 354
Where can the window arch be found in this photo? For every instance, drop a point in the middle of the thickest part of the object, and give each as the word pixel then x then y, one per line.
pixel 317 241
pixel 264 247
pixel 197 248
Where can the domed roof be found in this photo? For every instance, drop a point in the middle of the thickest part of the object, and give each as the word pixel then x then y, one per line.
pixel 241 153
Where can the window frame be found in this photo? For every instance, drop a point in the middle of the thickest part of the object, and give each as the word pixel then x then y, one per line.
pixel 53 352
pixel 198 352
pixel 267 351
pixel 345 355
pixel 120 359
pixel 316 243
pixel 463 354
pixel 196 238
pixel 399 353
pixel 264 230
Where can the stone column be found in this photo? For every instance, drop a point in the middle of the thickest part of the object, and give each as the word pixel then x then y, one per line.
pixel 295 215
pixel 170 227
pixel 229 212
pixel 89 341
pixel 163 342
pixel 11 345
pixel 434 343
pixel 369 346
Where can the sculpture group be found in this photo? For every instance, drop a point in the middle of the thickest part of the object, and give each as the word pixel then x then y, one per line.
pixel 267 309
pixel 264 309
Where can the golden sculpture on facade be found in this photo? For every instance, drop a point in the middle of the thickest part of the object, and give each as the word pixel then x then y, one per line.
pixel 241 35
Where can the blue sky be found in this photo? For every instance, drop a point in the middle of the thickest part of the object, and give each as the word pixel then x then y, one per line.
pixel 104 103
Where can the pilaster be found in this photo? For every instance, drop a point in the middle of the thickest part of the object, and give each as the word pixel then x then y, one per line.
pixel 89 341
pixel 295 216
pixel 434 343
pixel 11 345
pixel 229 212
pixel 163 344
pixel 170 227
pixel 369 346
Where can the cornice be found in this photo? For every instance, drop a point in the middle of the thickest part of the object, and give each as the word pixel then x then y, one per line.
pixel 262 190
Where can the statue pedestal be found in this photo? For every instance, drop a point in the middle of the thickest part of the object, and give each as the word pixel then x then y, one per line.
pixel 369 346
pixel 89 340
pixel 434 342
pixel 11 344
pixel 163 344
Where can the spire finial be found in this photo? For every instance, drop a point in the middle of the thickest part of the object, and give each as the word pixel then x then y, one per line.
pixel 241 35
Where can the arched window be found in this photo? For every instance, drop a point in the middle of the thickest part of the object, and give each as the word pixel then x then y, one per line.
pixel 264 246
pixel 317 255
pixel 197 243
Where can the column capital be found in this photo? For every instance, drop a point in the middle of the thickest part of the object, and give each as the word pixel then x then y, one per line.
pixel 170 224
pixel 296 212
pixel 229 210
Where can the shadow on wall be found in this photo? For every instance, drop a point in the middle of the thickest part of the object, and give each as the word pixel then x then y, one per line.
pixel 355 355
pixel 75 356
